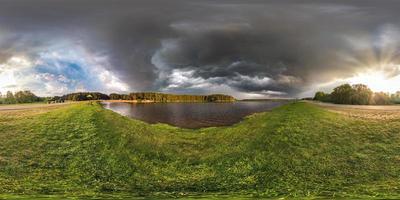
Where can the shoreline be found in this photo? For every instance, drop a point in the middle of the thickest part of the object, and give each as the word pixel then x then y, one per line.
pixel 150 101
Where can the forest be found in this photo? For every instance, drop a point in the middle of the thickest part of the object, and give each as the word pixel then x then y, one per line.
pixel 84 96
pixel 357 94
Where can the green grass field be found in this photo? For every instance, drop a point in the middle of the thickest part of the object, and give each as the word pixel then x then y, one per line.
pixel 297 150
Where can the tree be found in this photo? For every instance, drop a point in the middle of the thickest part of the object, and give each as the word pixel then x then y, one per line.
pixel 381 98
pixel 322 96
pixel 9 98
pixel 395 98
pixel 161 97
pixel 82 96
pixel 362 95
pixel 342 94
pixel 25 97
pixel 358 94
pixel 115 96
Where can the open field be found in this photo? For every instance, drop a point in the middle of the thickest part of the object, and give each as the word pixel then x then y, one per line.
pixel 383 112
pixel 297 150
pixel 357 107
pixel 29 106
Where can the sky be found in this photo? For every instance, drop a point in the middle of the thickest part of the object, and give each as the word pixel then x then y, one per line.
pixel 248 49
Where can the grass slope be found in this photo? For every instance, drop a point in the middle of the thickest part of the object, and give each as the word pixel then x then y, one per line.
pixel 295 150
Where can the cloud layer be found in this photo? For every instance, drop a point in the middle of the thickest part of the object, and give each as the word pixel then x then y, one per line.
pixel 252 48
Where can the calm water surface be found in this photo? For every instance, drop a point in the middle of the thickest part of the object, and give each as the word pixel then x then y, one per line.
pixel 192 115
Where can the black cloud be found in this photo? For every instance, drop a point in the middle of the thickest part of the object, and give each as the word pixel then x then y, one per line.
pixel 294 44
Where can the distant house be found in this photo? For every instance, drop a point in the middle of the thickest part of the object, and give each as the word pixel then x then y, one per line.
pixel 55 99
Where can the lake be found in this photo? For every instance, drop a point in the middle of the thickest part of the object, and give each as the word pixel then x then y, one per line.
pixel 192 115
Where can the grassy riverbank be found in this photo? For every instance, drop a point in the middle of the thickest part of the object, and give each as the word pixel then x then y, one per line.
pixel 295 150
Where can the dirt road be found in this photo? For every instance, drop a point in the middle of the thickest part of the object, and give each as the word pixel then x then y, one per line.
pixel 385 112
pixel 17 107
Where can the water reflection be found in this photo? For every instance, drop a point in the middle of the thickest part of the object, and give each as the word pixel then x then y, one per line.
pixel 192 115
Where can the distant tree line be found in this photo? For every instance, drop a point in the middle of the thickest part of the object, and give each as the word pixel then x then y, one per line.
pixel 19 97
pixel 358 94
pixel 148 96
pixel 84 96
pixel 29 97
pixel 161 97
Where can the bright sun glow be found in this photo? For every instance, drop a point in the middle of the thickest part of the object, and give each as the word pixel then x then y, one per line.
pixel 7 78
pixel 377 81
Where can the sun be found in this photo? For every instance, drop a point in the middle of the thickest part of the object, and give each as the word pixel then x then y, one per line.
pixel 377 80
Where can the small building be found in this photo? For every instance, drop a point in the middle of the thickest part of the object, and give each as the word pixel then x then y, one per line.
pixel 55 99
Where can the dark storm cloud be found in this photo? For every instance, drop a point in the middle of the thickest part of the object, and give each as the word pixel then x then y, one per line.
pixel 250 46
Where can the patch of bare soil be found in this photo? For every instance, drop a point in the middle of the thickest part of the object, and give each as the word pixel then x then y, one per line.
pixel 15 110
pixel 386 112
pixel 30 106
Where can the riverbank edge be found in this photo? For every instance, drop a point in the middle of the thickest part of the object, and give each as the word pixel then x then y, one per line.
pixel 150 101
